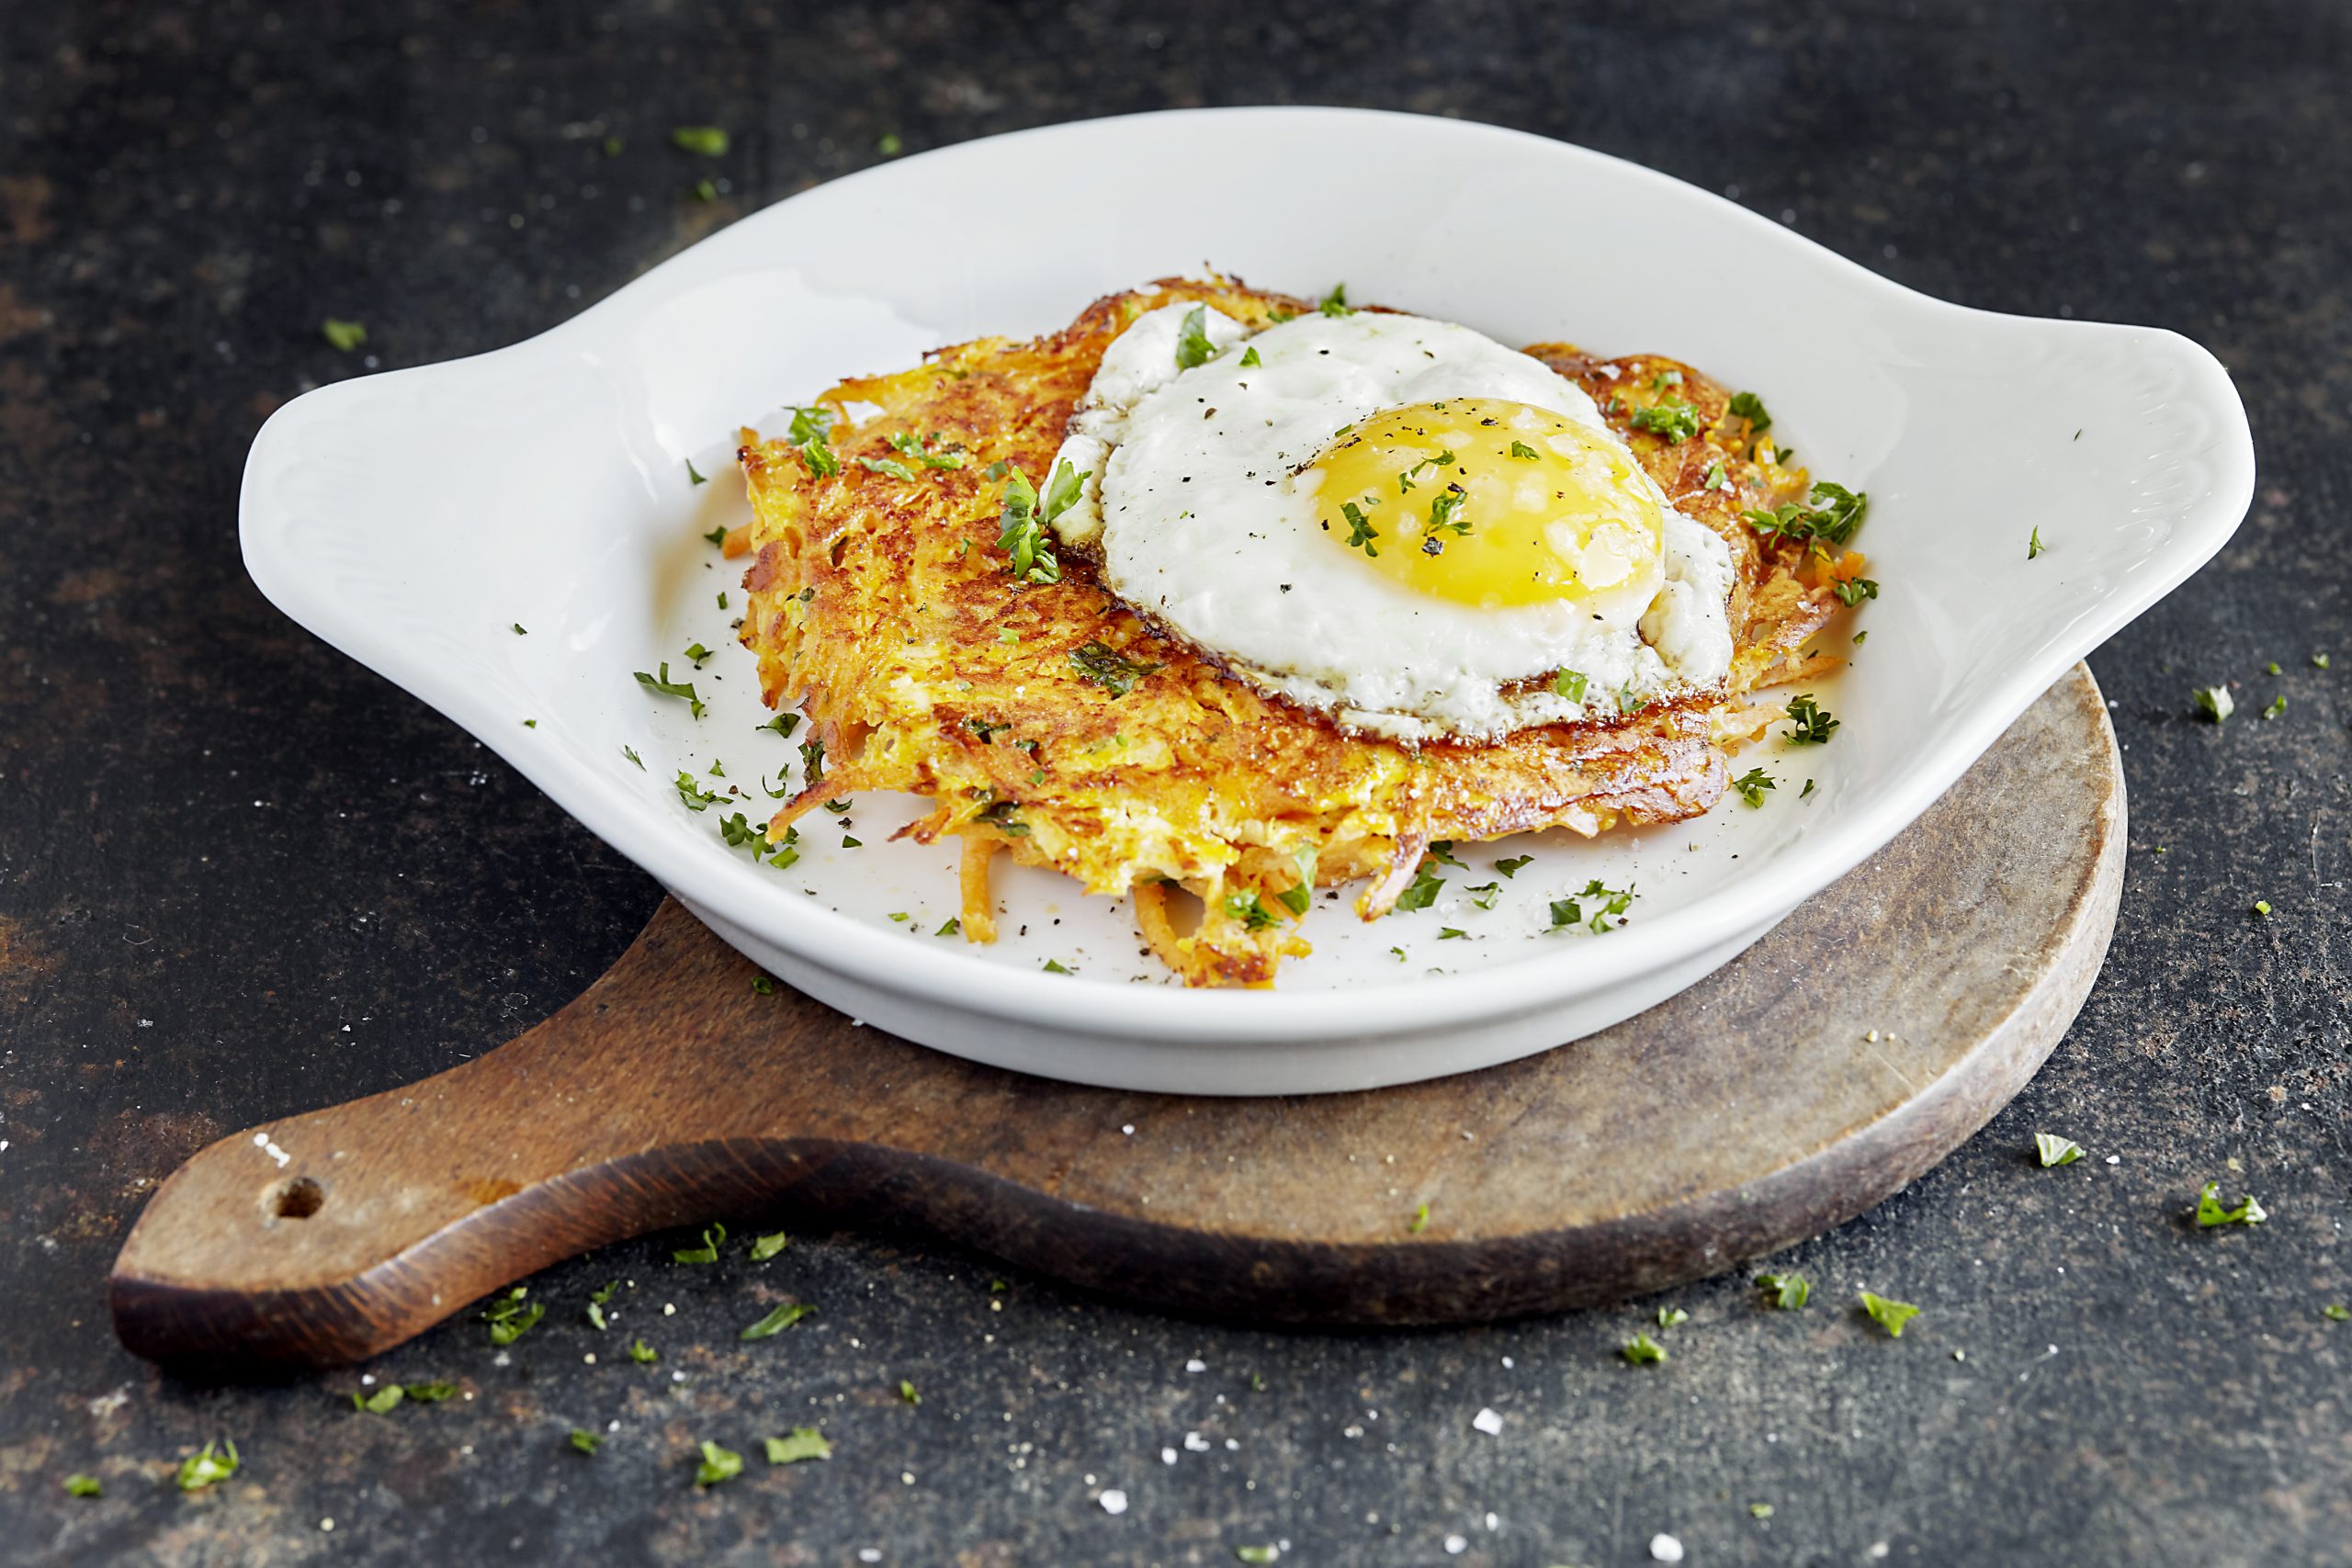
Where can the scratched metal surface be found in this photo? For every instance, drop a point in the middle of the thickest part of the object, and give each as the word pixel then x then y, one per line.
pixel 240 876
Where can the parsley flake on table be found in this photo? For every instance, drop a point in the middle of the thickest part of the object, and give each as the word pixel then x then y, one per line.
pixel 1785 1293
pixel 1672 1317
pixel 2052 1150
pixel 383 1401
pixel 1484 893
pixel 2336 1312
pixel 1761 1510
pixel 695 477
pixel 205 1468
pixel 1812 722
pixel 800 1443
pixel 767 1246
pixel 1055 966
pixel 712 1239
pixel 511 1316
pixel 953 927
pixel 2277 705
pixel 342 336
pixel 2034 547
pixel 1265 1552
pixel 705 141
pixel 2318 661
pixel 697 798
pixel 1888 1315
pixel 776 1321
pixel 631 752
pixel 1446 933
pixel 2215 703
pixel 84 1487
pixel 586 1441
pixel 642 1353
pixel 1419 1221
pixel 1752 785
pixel 2262 907
pixel 1510 866
pixel 1643 1351
pixel 762 986
pixel 718 1464
pixel 907 1392
pixel 663 684
pixel 2209 1211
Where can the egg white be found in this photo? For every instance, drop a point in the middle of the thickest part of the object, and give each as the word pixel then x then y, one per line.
pixel 1196 501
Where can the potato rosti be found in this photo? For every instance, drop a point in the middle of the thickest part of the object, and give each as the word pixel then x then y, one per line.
pixel 941 643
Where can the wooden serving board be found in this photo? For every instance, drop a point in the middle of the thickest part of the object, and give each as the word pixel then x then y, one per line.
pixel 1842 1056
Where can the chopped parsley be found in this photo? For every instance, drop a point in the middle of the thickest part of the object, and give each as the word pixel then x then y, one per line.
pixel 800 1443
pixel 1889 1315
pixel 1100 665
pixel 1055 966
pixel 631 752
pixel 907 1392
pixel 1670 419
pixel 811 431
pixel 782 1318
pixel 1608 901
pixel 782 724
pixel 511 1316
pixel 2277 705
pixel 1022 530
pixel 712 1239
pixel 383 1401
pixel 716 535
pixel 1336 302
pixel 1266 1551
pixel 1521 450
pixel 1672 1317
pixel 1752 785
pixel 1361 533
pixel 2051 1149
pixel 1813 723
pixel 2209 1211
pixel 668 688
pixel 952 927
pixel 2215 703
pixel 1643 1350
pixel 1749 407
pixel 1832 518
pixel 2033 545
pixel 1570 684
pixel 1423 892
pixel 1443 507
pixel 2262 908
pixel 1852 590
pixel 341 335
pixel 697 652
pixel 1441 850
pixel 1485 894
pixel 1785 1293
pixel 766 1246
pixel 2318 661
pixel 1250 360
pixel 1247 909
pixel 205 1468
pixel 586 1441
pixel 889 465
pixel 762 986
pixel 812 760
pixel 707 141
pixel 1759 1510
pixel 642 1353
pixel 718 1464
pixel 1419 1221
pixel 2336 1312
pixel 933 451
pixel 84 1487
pixel 1511 867
pixel 1296 897
pixel 1193 345
pixel 1447 933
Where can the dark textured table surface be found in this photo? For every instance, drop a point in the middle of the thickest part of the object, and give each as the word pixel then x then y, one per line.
pixel 240 876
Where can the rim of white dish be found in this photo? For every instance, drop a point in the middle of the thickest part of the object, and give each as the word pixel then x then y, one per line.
pixel 1176 1015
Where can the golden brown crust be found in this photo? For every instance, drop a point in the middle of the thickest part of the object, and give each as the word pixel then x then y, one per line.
pixel 882 607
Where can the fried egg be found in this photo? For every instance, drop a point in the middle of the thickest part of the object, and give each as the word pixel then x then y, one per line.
pixel 1393 521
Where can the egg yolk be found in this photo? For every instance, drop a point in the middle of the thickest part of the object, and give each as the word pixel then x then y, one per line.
pixel 1489 502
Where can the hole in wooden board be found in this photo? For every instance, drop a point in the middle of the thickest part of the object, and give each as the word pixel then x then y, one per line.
pixel 297 1198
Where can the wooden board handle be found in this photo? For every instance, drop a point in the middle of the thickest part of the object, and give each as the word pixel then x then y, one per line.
pixel 329 1236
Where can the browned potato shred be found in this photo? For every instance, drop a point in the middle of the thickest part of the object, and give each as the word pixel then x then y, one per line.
pixel 883 608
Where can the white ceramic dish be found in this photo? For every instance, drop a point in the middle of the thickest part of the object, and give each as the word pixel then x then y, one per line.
pixel 412 518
